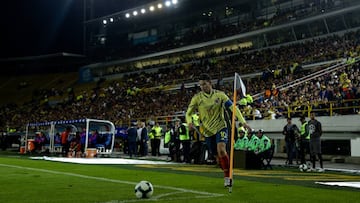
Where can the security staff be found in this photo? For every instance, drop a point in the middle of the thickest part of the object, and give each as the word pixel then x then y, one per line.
pixel 152 139
pixel 242 141
pixel 254 141
pixel 264 142
pixel 196 121
pixel 304 139
pixel 169 134
pixel 157 138
pixel 184 137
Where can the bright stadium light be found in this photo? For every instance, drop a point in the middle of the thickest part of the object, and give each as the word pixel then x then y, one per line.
pixel 111 20
pixel 104 22
pixel 135 13
pixel 174 1
pixel 167 3
pixel 159 6
pixel 127 15
pixel 143 10
pixel 151 8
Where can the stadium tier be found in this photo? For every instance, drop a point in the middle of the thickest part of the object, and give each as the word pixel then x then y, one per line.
pixel 154 81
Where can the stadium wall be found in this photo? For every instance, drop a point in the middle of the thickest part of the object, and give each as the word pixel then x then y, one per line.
pixel 346 127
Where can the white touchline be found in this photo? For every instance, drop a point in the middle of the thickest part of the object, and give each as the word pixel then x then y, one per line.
pixel 111 180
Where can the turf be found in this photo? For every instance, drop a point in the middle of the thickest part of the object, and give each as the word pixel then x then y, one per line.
pixel 25 180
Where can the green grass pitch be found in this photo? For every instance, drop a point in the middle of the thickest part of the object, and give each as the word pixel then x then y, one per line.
pixel 25 180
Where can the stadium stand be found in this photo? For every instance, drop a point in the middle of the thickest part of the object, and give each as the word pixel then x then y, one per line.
pixel 149 94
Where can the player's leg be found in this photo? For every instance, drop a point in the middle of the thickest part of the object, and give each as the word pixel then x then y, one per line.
pixel 221 140
pixel 318 152
pixel 312 155
pixel 211 145
pixel 302 152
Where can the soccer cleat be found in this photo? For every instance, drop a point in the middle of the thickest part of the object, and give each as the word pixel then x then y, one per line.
pixel 227 182
pixel 321 170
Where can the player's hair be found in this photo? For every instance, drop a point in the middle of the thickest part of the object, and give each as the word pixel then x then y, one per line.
pixel 204 76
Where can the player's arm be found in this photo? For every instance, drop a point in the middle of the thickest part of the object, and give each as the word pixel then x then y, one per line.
pixel 191 108
pixel 229 104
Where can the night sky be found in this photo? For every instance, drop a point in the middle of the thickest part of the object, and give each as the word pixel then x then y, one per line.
pixel 38 27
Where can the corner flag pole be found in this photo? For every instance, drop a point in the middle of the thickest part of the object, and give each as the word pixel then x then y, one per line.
pixel 232 135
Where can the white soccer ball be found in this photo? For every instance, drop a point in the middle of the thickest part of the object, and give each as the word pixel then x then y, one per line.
pixel 144 189
pixel 303 167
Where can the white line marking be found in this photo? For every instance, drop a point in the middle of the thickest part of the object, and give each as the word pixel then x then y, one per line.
pixel 166 194
pixel 101 161
pixel 342 184
pixel 180 190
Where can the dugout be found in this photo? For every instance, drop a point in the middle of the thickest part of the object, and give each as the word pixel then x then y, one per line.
pixel 98 135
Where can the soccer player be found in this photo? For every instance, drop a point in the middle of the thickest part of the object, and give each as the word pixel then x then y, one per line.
pixel 211 103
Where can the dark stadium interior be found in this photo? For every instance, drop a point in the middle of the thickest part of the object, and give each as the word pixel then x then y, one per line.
pixel 271 42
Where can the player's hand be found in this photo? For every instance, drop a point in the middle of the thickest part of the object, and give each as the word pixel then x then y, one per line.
pixel 247 127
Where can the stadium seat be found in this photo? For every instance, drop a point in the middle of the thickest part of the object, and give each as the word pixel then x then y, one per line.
pixel 266 159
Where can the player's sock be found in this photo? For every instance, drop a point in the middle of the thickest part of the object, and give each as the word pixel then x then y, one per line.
pixel 227 182
pixel 224 162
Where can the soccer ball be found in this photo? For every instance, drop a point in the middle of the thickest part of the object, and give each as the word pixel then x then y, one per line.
pixel 144 189
pixel 304 168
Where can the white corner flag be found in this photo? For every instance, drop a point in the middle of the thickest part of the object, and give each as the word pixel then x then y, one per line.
pixel 239 86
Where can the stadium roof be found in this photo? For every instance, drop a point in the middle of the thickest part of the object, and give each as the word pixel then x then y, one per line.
pixel 57 62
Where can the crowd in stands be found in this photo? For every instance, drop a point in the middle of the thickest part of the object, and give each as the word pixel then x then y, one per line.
pixel 143 95
pixel 281 58
pixel 215 29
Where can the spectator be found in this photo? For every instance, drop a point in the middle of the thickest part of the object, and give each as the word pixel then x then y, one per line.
pixel 132 136
pixel 64 140
pixel 290 131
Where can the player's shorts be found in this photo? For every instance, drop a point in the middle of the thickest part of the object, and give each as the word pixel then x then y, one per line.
pixel 212 141
pixel 315 146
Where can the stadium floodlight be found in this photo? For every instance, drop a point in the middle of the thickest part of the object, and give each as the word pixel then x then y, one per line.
pixel 151 8
pixel 135 13
pixel 174 1
pixel 167 3
pixel 127 15
pixel 104 22
pixel 111 20
pixel 143 10
pixel 159 6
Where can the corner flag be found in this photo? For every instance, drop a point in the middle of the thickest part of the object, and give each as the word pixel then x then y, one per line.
pixel 239 86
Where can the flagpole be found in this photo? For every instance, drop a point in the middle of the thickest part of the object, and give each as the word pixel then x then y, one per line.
pixel 232 136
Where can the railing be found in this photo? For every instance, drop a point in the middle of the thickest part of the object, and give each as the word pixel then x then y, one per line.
pixel 299 81
pixel 331 108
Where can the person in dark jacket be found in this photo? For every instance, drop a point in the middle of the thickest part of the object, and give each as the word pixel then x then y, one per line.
pixel 290 131
pixel 132 136
pixel 315 130
pixel 144 139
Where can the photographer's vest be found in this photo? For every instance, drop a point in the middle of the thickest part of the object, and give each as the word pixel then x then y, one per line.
pixel 158 130
pixel 183 136
pixel 167 137
pixel 151 134
pixel 303 131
